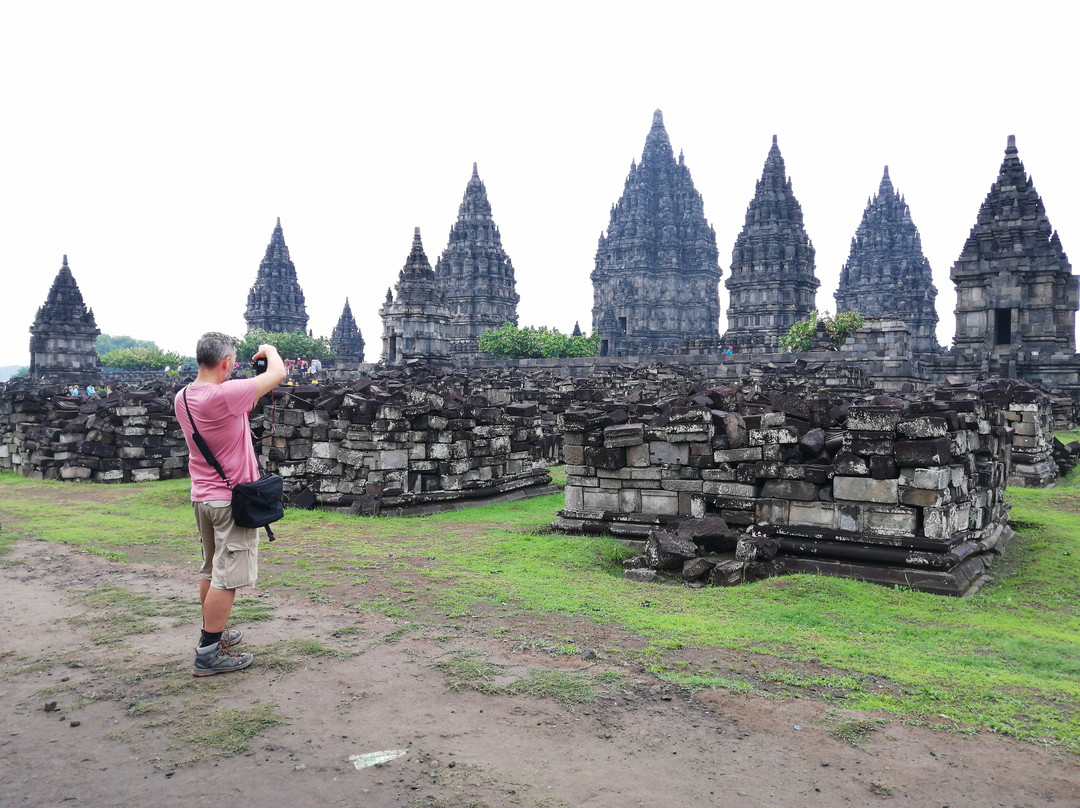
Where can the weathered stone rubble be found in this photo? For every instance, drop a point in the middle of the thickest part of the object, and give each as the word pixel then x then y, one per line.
pixel 403 441
pixel 128 436
pixel 884 489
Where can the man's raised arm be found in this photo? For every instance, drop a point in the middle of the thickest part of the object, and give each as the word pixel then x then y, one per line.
pixel 275 371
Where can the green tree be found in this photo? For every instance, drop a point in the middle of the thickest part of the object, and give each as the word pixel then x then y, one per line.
pixel 510 342
pixel 838 327
pixel 107 343
pixel 141 359
pixel 291 345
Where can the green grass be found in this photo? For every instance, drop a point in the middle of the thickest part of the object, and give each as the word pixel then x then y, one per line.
pixel 1006 660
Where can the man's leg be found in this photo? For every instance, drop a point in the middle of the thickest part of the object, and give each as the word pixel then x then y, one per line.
pixel 216 607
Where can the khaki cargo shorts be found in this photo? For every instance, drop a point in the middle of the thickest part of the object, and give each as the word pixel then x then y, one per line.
pixel 230 553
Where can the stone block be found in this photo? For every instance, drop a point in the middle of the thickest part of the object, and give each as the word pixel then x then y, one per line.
pixel 932 452
pixel 730 489
pixel 789 489
pixel 923 426
pixel 866 489
pixel 605 499
pixel 145 475
pixel 623 435
pixel 638 456
pixel 602 457
pixel 873 418
pixel 574 498
pixel 818 514
pixel 663 503
pixel 75 473
pixel 671 453
pixel 392 459
pixel 884 521
pixel 737 455
pixel 771 511
pixel 629 500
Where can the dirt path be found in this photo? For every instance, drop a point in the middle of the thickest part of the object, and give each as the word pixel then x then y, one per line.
pixel 638 743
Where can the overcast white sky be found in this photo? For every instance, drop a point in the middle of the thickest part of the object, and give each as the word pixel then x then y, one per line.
pixel 156 144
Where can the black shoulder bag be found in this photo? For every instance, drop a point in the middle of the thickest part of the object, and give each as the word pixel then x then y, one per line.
pixel 254 504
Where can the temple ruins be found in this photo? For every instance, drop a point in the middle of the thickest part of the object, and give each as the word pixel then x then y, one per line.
pixel 884 459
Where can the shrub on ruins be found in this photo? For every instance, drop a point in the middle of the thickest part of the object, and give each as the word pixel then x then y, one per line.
pixel 290 344
pixel 510 342
pixel 141 359
pixel 837 329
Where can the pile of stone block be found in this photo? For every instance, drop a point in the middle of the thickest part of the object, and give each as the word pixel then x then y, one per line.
pixel 886 490
pixel 1028 411
pixel 125 436
pixel 402 441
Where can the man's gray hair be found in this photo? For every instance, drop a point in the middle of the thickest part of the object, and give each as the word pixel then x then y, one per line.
pixel 213 347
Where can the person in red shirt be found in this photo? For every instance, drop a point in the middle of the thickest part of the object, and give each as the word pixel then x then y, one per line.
pixel 220 408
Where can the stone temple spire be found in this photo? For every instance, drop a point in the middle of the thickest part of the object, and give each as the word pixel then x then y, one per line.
pixel 276 301
pixel 474 272
pixel 346 339
pixel 416 321
pixel 64 332
pixel 772 283
pixel 1015 291
pixel 886 275
pixel 655 283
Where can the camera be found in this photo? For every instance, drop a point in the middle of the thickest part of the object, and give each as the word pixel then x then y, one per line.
pixel 259 365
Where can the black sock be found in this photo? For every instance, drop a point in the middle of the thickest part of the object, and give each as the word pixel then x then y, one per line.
pixel 209 638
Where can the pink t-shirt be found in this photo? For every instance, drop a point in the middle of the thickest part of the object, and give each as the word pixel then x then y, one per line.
pixel 221 415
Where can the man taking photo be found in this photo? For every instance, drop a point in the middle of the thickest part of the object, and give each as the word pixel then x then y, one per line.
pixel 220 408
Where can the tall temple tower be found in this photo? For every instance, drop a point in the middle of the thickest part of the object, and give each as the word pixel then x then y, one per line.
pixel 1016 296
pixel 656 281
pixel 886 275
pixel 417 323
pixel 346 339
pixel 276 301
pixel 474 273
pixel 63 334
pixel 772 283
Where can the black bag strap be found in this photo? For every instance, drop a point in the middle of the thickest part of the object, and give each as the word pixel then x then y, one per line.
pixel 200 441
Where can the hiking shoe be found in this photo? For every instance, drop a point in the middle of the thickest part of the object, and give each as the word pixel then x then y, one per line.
pixel 217 658
pixel 231 637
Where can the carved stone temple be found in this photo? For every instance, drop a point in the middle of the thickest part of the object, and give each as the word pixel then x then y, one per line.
pixel 64 332
pixel 416 321
pixel 346 339
pixel 474 273
pixel 772 283
pixel 276 301
pixel 886 276
pixel 656 280
pixel 1016 296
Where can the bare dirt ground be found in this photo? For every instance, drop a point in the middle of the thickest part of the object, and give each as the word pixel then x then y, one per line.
pixel 639 743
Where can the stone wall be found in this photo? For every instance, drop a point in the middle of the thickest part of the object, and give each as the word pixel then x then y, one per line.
pixel 892 491
pixel 382 446
pixel 128 436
